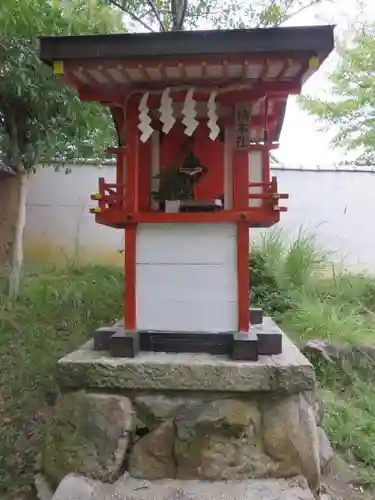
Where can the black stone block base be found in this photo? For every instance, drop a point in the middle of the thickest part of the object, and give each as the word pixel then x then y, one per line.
pixel 263 339
pixel 193 342
pixel 256 316
pixel 270 338
pixel 124 344
pixel 269 343
pixel 245 346
pixel 102 337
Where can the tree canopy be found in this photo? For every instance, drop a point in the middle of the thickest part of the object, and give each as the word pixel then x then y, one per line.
pixel 349 108
pixel 40 119
pixel 159 15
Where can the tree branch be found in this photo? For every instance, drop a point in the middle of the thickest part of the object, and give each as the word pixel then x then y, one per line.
pixel 157 13
pixel 131 14
pixel 298 11
pixel 183 14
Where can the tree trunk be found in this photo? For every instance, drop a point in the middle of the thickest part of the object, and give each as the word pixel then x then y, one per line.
pixel 178 10
pixel 16 250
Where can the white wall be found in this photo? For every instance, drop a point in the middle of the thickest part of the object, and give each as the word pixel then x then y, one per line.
pixel 187 277
pixel 337 206
pixel 58 219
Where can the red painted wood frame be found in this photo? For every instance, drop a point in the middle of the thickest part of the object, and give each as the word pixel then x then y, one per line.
pixel 253 217
pixel 72 67
pixel 131 206
pixel 120 153
pixel 299 57
pixel 115 97
pixel 241 202
pixel 266 165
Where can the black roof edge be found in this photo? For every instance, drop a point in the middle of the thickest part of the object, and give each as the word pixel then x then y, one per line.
pixel 313 39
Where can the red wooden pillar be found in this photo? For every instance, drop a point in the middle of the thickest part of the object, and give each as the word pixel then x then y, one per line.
pixel 120 174
pixel 131 206
pixel 266 165
pixel 241 202
pixel 144 176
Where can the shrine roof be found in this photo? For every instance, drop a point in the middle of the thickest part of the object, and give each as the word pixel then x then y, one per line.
pixel 316 40
pixel 242 65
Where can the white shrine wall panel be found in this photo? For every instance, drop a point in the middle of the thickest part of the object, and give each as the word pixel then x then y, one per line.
pixel 186 277
pixel 255 175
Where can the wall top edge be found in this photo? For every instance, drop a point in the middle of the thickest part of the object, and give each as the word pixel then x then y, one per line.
pixel 273 165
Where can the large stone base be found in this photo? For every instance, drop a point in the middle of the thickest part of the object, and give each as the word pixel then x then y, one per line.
pixel 185 416
pixel 80 488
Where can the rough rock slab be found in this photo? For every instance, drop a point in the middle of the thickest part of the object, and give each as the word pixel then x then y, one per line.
pixel 132 489
pixel 74 487
pixel 221 440
pixel 291 438
pixel 152 455
pixel 88 369
pixel 87 434
pixel 325 449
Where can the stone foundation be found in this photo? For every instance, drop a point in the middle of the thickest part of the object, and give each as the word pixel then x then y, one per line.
pixel 80 488
pixel 185 416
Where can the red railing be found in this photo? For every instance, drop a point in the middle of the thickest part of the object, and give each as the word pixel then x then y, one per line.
pixel 269 194
pixel 109 196
pixel 114 211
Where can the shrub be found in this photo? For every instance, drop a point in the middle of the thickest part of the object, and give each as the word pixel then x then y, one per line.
pixel 266 291
pixel 281 270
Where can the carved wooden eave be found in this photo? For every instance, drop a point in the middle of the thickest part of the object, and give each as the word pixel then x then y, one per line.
pixel 240 65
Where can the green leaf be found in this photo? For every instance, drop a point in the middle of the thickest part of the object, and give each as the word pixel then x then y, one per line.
pixel 41 120
pixel 228 14
pixel 350 110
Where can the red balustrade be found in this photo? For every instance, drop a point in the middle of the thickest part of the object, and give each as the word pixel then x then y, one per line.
pixel 111 209
pixel 109 196
pixel 269 194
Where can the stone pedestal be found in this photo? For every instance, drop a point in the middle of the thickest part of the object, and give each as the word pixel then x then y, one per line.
pixel 184 416
pixel 264 338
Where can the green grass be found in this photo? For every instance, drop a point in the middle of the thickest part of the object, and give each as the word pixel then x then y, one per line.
pixel 59 308
pixel 56 311
pixel 315 301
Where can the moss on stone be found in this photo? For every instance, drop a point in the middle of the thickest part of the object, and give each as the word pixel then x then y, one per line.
pixel 88 434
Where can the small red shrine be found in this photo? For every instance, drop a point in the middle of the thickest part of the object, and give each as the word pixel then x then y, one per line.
pixel 196 114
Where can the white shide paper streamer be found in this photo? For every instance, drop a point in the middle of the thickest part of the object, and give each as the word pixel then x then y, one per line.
pixel 189 112
pixel 166 111
pixel 144 118
pixel 212 116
